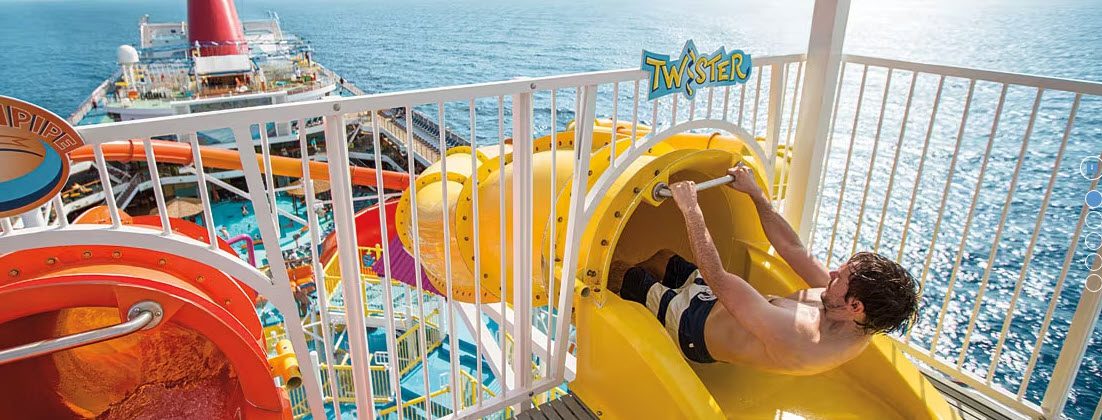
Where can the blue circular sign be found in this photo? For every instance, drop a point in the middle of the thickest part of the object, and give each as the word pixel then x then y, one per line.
pixel 1094 199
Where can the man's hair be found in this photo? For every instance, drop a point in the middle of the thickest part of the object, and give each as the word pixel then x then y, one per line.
pixel 886 289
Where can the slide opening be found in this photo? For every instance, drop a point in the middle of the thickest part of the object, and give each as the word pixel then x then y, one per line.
pixel 170 371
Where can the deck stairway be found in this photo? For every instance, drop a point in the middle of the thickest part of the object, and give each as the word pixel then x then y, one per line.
pixel 567 407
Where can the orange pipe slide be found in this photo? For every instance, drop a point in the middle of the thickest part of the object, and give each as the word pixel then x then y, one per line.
pixel 180 154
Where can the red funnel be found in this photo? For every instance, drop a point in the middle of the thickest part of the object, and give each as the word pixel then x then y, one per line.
pixel 215 26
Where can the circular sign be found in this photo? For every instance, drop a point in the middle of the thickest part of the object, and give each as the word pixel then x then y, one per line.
pixel 1093 199
pixel 34 165
pixel 1091 168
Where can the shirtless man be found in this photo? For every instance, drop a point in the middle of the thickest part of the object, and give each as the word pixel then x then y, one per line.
pixel 808 332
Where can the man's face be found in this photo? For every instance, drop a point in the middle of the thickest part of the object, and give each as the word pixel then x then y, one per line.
pixel 834 297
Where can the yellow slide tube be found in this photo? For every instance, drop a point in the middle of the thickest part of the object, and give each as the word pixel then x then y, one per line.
pixel 628 367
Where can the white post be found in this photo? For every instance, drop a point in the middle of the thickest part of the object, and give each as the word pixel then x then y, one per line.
pixel 824 64
pixel 1073 351
pixel 777 87
pixel 522 243
pixel 336 147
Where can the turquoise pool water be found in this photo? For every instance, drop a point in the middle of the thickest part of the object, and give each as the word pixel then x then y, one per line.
pixel 231 221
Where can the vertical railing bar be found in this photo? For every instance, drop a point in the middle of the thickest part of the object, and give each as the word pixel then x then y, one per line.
pixel 895 161
pixel 158 193
pixel 388 291
pixel 741 105
pixel 787 168
pixel 204 194
pixel 615 124
pixel 269 178
pixel 918 175
pixel 319 272
pixel 845 170
pixel 1063 271
pixel 998 231
pixel 872 161
pixel 522 242
pixel 634 121
pixel 826 155
pixel 452 344
pixel 59 210
pixel 105 182
pixel 968 222
pixel 554 209
pixel 477 271
pixel 757 102
pixel 654 115
pixel 5 223
pixel 726 100
pixel 411 168
pixel 583 138
pixel 673 114
pixel 501 240
pixel 945 193
pixel 778 86
pixel 711 93
pixel 280 292
pixel 1028 258
pixel 692 108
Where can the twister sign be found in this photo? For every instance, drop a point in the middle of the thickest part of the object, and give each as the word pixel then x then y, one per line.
pixel 34 164
pixel 693 71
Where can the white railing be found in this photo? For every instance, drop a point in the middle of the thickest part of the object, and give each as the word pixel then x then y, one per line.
pixel 766 106
pixel 954 172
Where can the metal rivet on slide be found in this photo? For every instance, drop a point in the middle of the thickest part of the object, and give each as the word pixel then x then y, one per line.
pixel 200 279
pixel 14 272
pixel 116 254
pixel 51 261
pixel 162 261
pixel 86 254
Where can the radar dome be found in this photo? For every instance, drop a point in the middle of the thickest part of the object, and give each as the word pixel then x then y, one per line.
pixel 127 54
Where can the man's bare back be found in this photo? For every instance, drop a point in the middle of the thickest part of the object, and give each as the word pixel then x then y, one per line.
pixel 813 344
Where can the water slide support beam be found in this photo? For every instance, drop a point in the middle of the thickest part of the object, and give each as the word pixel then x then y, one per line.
pixel 824 64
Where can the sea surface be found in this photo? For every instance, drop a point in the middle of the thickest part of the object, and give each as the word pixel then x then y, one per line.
pixel 56 52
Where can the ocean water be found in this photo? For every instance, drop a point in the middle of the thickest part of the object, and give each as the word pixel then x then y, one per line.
pixel 57 51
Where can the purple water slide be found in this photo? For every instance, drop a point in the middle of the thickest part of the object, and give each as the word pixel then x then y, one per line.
pixel 403 267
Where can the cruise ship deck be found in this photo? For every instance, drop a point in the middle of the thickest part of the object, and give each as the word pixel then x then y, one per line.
pixel 445 252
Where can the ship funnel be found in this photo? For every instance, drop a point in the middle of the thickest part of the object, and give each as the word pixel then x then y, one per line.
pixel 214 25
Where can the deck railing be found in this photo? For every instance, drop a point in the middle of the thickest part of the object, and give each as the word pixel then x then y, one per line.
pixel 969 178
pixel 764 112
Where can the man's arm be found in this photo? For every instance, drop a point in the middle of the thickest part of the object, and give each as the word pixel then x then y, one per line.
pixel 780 234
pixel 740 299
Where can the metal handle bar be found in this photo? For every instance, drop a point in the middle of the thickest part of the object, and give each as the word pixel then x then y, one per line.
pixel 141 316
pixel 662 191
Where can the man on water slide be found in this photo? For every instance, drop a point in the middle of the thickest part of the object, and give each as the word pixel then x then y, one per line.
pixel 808 332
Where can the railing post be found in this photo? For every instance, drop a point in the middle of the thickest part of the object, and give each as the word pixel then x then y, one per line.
pixel 777 87
pixel 522 243
pixel 1074 349
pixel 336 147
pixel 575 227
pixel 824 64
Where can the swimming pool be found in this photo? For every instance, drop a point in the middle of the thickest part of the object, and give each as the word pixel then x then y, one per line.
pixel 237 217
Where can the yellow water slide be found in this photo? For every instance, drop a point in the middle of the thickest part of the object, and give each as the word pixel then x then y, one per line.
pixel 628 367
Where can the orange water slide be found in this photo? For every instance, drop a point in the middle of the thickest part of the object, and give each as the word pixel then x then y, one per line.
pixel 181 154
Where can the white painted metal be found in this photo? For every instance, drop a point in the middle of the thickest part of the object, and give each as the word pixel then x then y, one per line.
pixel 522 240
pixel 204 194
pixel 476 317
pixel 315 263
pixel 945 193
pixel 158 193
pixel 895 161
pixel 872 161
pixel 849 157
pixel 415 226
pixel 824 62
pixel 968 219
pixel 105 183
pixel 774 114
pixel 826 157
pixel 918 174
pixel 998 230
pixel 583 139
pixel 757 100
pixel 388 292
pixel 453 341
pixel 336 148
